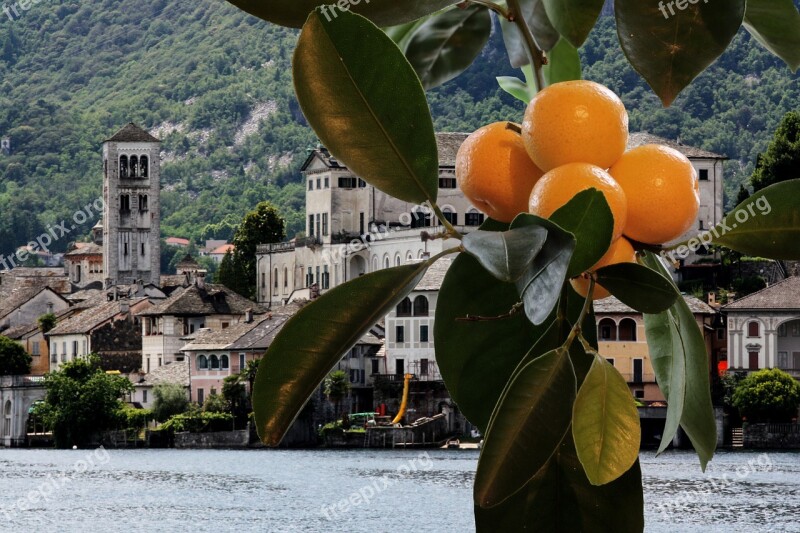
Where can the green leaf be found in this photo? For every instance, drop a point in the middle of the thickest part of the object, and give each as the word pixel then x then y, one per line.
pixel 541 283
pixel 605 424
pixel 507 254
pixel 402 34
pixel 365 103
pixel 776 25
pixel 564 64
pixel 545 34
pixel 447 43
pixel 561 499
pixel 669 46
pixel 293 13
pixel 675 334
pixel 574 19
pixel 639 287
pixel 588 217
pixel 316 338
pixel 515 87
pixel 477 358
pixel 529 423
pixel 765 225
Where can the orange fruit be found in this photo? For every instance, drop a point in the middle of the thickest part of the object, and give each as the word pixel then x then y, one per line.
pixel 575 122
pixel 662 190
pixel 620 251
pixel 494 171
pixel 561 184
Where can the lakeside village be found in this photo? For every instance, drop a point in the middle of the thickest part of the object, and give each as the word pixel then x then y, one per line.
pixel 189 348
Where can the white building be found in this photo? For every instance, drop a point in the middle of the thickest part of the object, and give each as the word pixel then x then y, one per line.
pixel 764 329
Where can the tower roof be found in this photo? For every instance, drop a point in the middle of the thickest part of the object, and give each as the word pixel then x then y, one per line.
pixel 132 133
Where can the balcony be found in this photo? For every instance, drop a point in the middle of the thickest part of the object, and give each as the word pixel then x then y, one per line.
pixel 307 242
pixel 275 247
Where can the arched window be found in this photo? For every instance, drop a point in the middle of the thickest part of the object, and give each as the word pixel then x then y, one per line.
pixel 134 172
pixel 374 263
pixel 386 261
pixel 473 218
pixel 143 202
pixel 753 329
pixel 450 215
pixel 202 362
pixel 143 164
pixel 607 330
pixel 213 362
pixel 7 419
pixel 420 306
pixel 420 254
pixel 404 307
pixel 627 330
pixel 123 166
pixel 397 260
pixel 275 280
pixel 223 362
pixel 409 257
pixel 124 202
pixel 285 277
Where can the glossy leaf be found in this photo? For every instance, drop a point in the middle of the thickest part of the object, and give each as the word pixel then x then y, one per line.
pixel 316 338
pixel 365 103
pixel 639 287
pixel 515 87
pixel 605 424
pixel 765 225
pixel 561 499
pixel 564 64
pixel 540 285
pixel 588 217
pixel 675 333
pixel 477 358
pixel 293 13
pixel 447 43
pixel 776 25
pixel 574 19
pixel 669 46
pixel 506 254
pixel 545 34
pixel 528 425
pixel 402 33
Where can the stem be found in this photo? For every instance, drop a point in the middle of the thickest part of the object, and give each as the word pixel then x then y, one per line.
pixel 473 318
pixel 500 10
pixel 576 329
pixel 446 223
pixel 535 53
pixel 443 253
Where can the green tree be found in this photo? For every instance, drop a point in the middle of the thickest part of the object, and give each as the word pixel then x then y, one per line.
pixel 336 388
pixel 14 360
pixel 768 395
pixel 82 401
pixel 170 399
pixel 47 322
pixel 216 403
pixel 781 161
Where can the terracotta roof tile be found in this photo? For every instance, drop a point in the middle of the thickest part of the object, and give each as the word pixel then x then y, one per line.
pixel 782 295
pixel 612 305
pixel 640 138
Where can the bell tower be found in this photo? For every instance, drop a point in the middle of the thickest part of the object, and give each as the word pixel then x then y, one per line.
pixel 132 214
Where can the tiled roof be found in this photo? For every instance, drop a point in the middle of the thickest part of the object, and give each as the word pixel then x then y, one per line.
pixel 176 372
pixel 86 248
pixel 448 145
pixel 223 249
pixel 19 297
pixel 433 278
pixel 132 133
pixel 89 319
pixel 187 264
pixel 177 240
pixel 640 138
pixel 782 295
pixel 208 339
pixel 17 332
pixel 212 300
pixel 173 280
pixel 611 305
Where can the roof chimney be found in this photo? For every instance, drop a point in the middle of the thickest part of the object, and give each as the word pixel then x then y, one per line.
pixel 124 306
pixel 200 279
pixel 248 315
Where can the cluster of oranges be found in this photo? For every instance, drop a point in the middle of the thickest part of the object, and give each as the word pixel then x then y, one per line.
pixel 574 137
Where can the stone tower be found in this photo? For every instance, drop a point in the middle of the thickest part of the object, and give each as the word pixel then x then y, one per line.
pixel 131 216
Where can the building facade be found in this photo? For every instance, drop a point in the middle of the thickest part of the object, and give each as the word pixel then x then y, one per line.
pixel 131 214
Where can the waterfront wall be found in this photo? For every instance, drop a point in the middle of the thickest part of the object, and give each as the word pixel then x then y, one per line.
pixel 775 436
pixel 220 439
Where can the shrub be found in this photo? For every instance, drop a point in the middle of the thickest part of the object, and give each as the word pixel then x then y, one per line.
pixel 768 395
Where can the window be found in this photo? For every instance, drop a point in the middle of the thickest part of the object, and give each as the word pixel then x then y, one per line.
pixel 703 174
pixel 213 362
pixel 202 362
pixel 327 183
pixel 324 224
pixel 124 202
pixel 134 166
pixel 420 306
pixel 397 260
pixel 148 365
pixel 361 183
pixel 143 202
pixel 783 360
pixel 450 216
pixel 627 330
pixel 423 367
pixel 84 351
pixel 420 219
pixel 226 325
pixel 404 307
pixel 318 226
pixel 310 225
pixel 200 396
pixel 386 261
pixel 223 362
pixel 361 223
pixel 473 218
pixel 782 330
pixel 144 396
pixel 35 348
pixel 318 279
pixel 311 185
pixel 753 329
pixel 796 329
pixel 63 351
pixel 241 362
pixel 447 183
pixel 285 277
pixel 607 330
pixel 638 394
pixel 143 164
pixel 54 355
pixel 263 280
pixel 375 366
pixel 142 249
pixel 319 182
pixel 399 366
pixel 326 277
pixel 309 277
pixel 752 360
pixel 701 225
pixel 348 183
pixel 275 279
pixel 400 334
pixel 423 334
pixel 125 248
pixel 638 370
pixel 610 360
pixel 123 166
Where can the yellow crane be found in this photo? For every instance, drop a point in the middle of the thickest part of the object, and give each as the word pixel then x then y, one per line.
pixel 404 402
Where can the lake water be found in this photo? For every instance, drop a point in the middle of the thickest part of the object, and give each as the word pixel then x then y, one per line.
pixel 293 491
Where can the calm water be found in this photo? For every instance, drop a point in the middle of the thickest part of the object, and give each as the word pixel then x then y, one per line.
pixel 292 491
